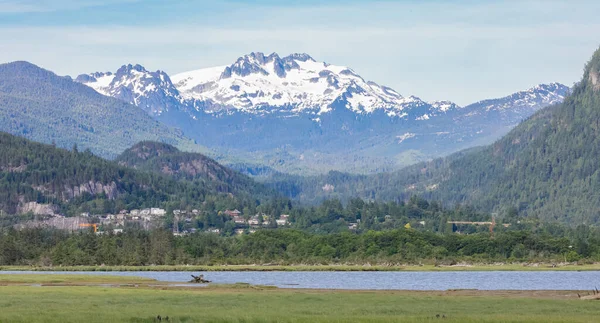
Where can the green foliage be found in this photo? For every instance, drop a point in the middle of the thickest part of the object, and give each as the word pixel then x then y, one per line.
pixel 283 246
pixel 243 303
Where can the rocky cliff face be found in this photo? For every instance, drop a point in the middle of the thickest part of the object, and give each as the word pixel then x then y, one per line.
pixel 36 208
pixel 594 79
pixel 93 188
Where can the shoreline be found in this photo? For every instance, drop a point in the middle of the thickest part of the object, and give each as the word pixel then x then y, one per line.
pixel 408 268
pixel 132 282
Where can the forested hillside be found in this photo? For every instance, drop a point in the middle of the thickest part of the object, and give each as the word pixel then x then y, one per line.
pixel 71 181
pixel 39 105
pixel 165 159
pixel 548 167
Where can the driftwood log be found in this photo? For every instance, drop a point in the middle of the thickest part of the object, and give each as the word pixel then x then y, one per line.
pixel 199 279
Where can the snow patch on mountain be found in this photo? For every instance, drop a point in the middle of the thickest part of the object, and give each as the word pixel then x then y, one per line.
pixel 443 106
pixel 151 91
pixel 405 136
pixel 536 97
pixel 256 83
pixel 99 81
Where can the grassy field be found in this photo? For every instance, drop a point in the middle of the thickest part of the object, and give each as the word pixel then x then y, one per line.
pixel 476 267
pixel 22 303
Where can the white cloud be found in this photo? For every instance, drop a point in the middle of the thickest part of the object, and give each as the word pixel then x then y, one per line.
pixel 451 53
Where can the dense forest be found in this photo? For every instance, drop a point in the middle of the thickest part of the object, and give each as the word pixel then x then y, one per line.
pixel 548 166
pixel 288 246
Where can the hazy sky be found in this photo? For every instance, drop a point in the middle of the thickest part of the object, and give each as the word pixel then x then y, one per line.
pixel 462 51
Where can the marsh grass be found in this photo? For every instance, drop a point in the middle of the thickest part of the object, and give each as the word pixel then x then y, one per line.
pixel 246 303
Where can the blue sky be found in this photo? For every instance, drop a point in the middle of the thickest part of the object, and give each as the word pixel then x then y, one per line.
pixel 461 51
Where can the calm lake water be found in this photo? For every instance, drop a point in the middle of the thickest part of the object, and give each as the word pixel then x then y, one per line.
pixel 490 280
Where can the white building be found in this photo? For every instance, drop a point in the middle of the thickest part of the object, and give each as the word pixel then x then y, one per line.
pixel 157 212
pixel 253 221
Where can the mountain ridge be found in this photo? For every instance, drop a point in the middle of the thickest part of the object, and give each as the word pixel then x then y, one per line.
pixel 166 159
pixel 45 107
pixel 297 115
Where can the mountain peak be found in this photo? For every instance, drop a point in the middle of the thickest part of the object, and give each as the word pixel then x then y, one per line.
pixel 145 150
pixel 248 64
pixel 25 67
pixel 303 57
pixel 513 108
pixel 554 86
pixel 259 63
pixel 22 64
pixel 132 83
pixel 130 67
pixel 259 83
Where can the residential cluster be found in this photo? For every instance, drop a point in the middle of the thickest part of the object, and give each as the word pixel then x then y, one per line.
pixel 252 223
pixel 184 221
pixel 143 216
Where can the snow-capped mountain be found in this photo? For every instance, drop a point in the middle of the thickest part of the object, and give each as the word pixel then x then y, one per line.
pixel 295 112
pixel 152 91
pixel 513 108
pixel 294 84
pixel 535 97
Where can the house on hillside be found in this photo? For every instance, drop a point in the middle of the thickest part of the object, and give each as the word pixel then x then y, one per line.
pixel 254 221
pixel 233 213
pixel 158 212
pixel 239 219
